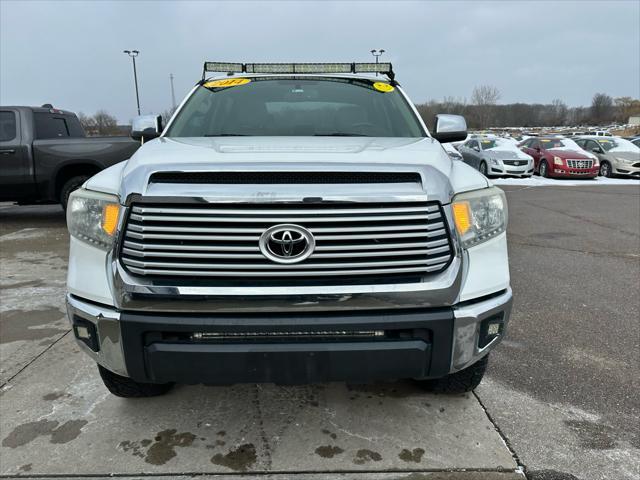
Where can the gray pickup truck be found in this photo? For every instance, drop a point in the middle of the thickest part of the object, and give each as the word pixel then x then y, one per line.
pixel 44 154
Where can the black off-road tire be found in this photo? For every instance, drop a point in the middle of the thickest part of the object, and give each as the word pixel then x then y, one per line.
pixel 127 388
pixel 544 169
pixel 460 382
pixel 69 186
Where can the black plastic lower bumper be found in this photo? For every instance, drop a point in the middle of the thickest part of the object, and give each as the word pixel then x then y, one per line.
pixel 287 349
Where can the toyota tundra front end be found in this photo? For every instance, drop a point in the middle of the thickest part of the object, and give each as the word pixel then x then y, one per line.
pixel 293 223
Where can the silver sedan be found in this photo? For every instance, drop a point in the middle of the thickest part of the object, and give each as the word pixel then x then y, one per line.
pixel 496 156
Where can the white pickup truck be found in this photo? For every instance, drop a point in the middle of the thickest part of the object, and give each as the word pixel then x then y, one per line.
pixel 293 223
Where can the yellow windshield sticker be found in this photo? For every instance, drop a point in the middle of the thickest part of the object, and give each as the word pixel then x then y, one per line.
pixel 604 141
pixel 226 82
pixel 486 141
pixel 383 87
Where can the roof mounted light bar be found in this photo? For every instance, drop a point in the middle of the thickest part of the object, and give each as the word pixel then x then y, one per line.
pixel 384 68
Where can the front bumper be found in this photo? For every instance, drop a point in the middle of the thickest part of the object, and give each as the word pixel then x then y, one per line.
pixel 567 172
pixel 512 170
pixel 631 170
pixel 292 347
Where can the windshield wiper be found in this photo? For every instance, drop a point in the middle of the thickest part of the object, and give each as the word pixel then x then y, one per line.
pixel 227 135
pixel 340 134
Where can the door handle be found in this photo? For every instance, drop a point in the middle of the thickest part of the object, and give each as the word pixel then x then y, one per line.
pixel 7 151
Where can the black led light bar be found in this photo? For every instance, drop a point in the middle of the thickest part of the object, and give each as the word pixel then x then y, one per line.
pixel 384 68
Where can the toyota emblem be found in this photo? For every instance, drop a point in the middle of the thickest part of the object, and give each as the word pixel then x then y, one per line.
pixel 287 243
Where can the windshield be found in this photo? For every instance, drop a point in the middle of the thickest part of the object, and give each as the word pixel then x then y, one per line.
pixel 499 144
pixel 617 145
pixel 488 144
pixel 295 106
pixel 559 144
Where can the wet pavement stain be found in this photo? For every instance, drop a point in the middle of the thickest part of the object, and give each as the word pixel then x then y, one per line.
pixel 594 436
pixel 67 431
pixel 54 396
pixel 135 447
pixel 27 432
pixel 401 389
pixel 163 449
pixel 329 451
pixel 330 433
pixel 239 459
pixel 28 284
pixel 26 468
pixel 364 456
pixel 17 325
pixel 414 455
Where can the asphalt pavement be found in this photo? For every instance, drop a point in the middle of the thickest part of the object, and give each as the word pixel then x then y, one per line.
pixel 559 401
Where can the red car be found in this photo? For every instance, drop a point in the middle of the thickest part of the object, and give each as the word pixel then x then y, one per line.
pixel 560 157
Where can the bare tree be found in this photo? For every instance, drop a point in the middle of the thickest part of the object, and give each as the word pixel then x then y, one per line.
pixel 485 98
pixel 601 108
pixel 167 114
pixel 453 105
pixel 626 107
pixel 558 113
pixel 87 122
pixel 102 123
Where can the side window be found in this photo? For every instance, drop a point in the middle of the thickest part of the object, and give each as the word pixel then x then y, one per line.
pixel 592 145
pixel 50 126
pixel 534 143
pixel 74 126
pixel 474 145
pixel 8 127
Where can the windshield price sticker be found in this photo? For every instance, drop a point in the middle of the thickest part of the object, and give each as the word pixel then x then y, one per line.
pixel 383 87
pixel 227 82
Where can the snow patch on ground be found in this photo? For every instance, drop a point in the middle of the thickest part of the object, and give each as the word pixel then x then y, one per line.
pixel 536 181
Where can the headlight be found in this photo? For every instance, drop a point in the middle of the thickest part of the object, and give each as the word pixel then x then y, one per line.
pixel 495 162
pixel 626 161
pixel 92 217
pixel 479 215
pixel 557 161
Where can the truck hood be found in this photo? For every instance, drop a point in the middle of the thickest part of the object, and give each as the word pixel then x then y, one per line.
pixel 441 177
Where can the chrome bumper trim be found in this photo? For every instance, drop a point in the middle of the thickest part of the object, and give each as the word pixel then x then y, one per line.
pixel 467 320
pixel 107 322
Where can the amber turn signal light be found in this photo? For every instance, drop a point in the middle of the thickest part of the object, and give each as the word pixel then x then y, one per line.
pixel 110 218
pixel 462 217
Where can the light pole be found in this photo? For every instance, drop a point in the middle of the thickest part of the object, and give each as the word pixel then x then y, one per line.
pixel 173 93
pixel 377 53
pixel 133 54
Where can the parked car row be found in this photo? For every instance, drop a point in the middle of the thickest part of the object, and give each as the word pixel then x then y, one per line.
pixel 551 156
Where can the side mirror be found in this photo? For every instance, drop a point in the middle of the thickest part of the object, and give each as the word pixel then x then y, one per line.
pixel 449 128
pixel 146 127
pixel 596 150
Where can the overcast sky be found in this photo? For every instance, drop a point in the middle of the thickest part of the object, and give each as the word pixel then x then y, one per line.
pixel 70 53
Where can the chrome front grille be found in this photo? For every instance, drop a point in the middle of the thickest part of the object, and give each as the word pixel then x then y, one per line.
pixel 221 240
pixel 516 163
pixel 579 163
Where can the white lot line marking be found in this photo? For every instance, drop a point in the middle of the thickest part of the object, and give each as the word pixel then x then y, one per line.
pixel 559 182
